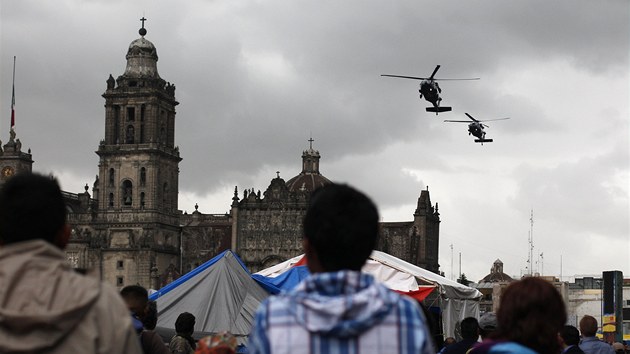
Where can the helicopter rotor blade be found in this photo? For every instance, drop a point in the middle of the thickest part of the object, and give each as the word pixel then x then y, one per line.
pixel 434 71
pixel 471 117
pixel 406 77
pixel 474 78
pixel 491 120
pixel 457 121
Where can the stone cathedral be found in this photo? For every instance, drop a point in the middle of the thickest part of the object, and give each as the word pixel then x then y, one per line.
pixel 129 229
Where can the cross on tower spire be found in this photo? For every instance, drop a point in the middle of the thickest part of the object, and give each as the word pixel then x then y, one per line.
pixel 142 30
pixel 310 141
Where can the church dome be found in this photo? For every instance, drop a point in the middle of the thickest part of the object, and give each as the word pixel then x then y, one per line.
pixel 310 178
pixel 307 182
pixel 142 59
pixel 496 274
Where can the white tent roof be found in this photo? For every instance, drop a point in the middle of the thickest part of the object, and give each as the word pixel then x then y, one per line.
pixel 448 288
pixel 397 275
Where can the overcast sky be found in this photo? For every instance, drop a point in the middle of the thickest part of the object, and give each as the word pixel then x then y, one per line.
pixel 256 79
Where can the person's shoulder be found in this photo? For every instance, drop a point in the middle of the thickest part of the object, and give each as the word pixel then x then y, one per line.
pixel 574 349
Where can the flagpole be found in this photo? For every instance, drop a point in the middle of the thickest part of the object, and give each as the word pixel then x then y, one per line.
pixel 13 98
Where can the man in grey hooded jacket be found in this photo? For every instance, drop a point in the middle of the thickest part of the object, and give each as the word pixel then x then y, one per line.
pixel 339 309
pixel 45 306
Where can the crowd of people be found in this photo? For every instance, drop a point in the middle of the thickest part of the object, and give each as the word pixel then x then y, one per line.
pixel 47 307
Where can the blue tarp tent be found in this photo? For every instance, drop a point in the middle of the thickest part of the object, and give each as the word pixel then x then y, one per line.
pixel 220 293
pixel 285 281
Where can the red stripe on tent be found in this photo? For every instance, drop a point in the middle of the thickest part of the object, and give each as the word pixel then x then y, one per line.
pixel 419 294
pixel 301 262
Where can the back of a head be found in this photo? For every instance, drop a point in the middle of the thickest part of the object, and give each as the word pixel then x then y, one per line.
pixel 185 323
pixel 470 328
pixel 570 335
pixel 588 326
pixel 341 224
pixel 532 313
pixel 487 324
pixel 136 298
pixel 31 207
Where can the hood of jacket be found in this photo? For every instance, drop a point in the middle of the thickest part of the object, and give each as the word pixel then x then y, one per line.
pixel 344 303
pixel 41 298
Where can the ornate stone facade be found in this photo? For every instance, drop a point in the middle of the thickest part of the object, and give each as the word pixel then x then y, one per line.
pixel 12 159
pixel 130 231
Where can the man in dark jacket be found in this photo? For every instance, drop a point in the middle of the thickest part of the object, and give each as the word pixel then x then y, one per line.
pixel 470 334
pixel 570 339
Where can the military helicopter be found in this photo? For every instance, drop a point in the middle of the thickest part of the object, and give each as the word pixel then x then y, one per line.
pixel 430 89
pixel 476 128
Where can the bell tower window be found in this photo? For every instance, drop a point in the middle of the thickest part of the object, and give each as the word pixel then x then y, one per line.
pixel 116 124
pixel 142 113
pixel 143 176
pixel 130 134
pixel 131 114
pixel 111 200
pixel 111 177
pixel 127 193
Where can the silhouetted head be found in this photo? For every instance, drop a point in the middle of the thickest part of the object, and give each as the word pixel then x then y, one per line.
pixel 31 208
pixel 340 229
pixel 532 313
pixel 487 324
pixel 136 297
pixel 570 335
pixel 470 328
pixel 185 323
pixel 588 326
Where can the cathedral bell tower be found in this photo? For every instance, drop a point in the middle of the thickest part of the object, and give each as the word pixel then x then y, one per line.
pixel 137 183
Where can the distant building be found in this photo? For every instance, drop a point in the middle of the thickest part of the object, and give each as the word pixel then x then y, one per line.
pixel 492 286
pixel 12 159
pixel 130 231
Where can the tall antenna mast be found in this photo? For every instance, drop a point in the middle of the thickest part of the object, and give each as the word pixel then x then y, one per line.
pixel 530 258
pixel 452 262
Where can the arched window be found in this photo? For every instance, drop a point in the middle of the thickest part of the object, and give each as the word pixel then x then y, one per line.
pixel 111 200
pixel 130 134
pixel 111 177
pixel 143 176
pixel 127 193
pixel 142 113
pixel 142 200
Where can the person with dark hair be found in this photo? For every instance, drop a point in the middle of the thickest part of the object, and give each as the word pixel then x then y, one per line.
pixel 487 325
pixel 447 343
pixel 619 348
pixel 590 344
pixel 137 299
pixel 470 334
pixel 45 306
pixel 339 308
pixel 183 342
pixel 530 316
pixel 570 337
pixel 150 317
